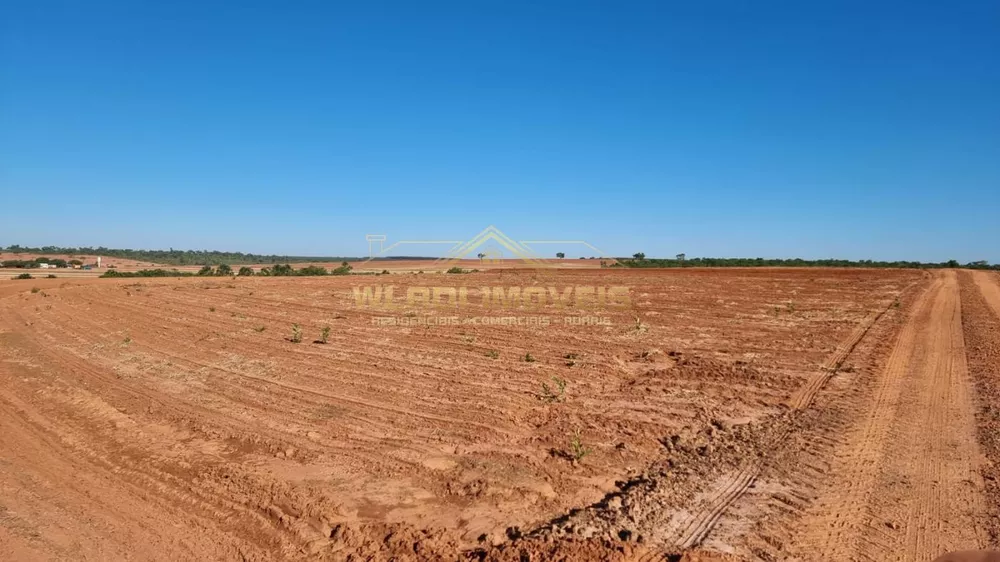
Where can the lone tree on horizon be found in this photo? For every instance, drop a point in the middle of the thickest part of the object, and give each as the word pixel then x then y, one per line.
pixel 560 255
pixel 639 256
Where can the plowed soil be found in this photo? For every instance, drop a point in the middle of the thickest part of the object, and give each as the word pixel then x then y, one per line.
pixel 769 414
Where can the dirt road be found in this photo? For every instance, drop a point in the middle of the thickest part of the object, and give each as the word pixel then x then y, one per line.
pixel 905 483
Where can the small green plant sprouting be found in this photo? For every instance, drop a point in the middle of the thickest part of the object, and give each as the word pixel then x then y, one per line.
pixel 639 327
pixel 324 335
pixel 296 334
pixel 493 354
pixel 790 307
pixel 576 447
pixel 554 394
pixel 895 303
pixel 127 340
pixel 259 329
pixel 529 358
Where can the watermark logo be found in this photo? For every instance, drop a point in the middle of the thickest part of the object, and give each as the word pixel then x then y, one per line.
pixel 490 244
pixel 489 304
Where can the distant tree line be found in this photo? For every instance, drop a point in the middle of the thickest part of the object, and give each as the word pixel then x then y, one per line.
pixel 174 257
pixel 37 262
pixel 224 270
pixel 639 260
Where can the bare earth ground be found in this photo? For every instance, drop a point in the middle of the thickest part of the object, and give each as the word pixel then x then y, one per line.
pixel 762 414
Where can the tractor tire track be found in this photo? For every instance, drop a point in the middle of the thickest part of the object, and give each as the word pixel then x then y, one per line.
pixel 905 484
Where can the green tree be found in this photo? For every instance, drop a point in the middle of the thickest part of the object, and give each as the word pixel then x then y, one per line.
pixel 560 255
pixel 206 270
pixel 224 270
pixel 639 256
pixel 245 271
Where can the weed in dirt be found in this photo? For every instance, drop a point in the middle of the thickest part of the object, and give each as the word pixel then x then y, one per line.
pixel 211 309
pixel 895 303
pixel 50 276
pixel 639 327
pixel 324 335
pixel 570 359
pixel 35 289
pixel 296 334
pixel 127 340
pixel 577 450
pixel 556 393
pixel 259 329
pixel 23 276
pixel 329 411
pixel 493 354
pixel 385 272
pixel 456 269
pixel 790 307
pixel 528 358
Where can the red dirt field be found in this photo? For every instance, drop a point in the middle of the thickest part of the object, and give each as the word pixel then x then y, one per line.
pixel 738 414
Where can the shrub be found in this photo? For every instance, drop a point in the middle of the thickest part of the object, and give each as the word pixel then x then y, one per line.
pixel 245 271
pixel 296 334
pixel 279 270
pixel 493 354
pixel 259 329
pixel 224 270
pixel 312 270
pixel 147 273
pixel 455 269
pixel 24 276
pixel 528 358
pixel 211 309
pixel 324 335
pixel 50 276
pixel 344 269
pixel 35 289
pixel 205 270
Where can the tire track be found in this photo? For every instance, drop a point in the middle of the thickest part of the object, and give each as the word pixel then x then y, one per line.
pixel 905 483
pixel 695 529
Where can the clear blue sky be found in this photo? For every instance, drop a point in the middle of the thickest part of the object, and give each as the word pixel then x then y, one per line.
pixel 773 129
